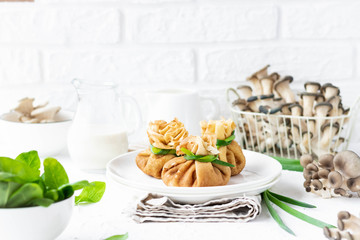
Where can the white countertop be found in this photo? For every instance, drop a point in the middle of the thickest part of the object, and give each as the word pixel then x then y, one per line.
pixel 106 218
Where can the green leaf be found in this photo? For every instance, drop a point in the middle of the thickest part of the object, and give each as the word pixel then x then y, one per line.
pixel 187 152
pixel 287 160
pixel 159 151
pixel 118 237
pixel 5 176
pixel 226 141
pixel 23 196
pixel 275 215
pixel 6 189
pixel 21 171
pixel 43 202
pixel 292 167
pixel 55 174
pixel 67 191
pixel 291 201
pixel 31 159
pixel 298 214
pixel 187 157
pixel 52 194
pixel 223 163
pixel 79 185
pixel 91 193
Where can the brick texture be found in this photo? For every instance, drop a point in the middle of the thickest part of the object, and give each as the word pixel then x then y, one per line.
pixel 205 24
pixel 125 67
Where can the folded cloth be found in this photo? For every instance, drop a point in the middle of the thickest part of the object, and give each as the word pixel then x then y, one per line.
pixel 155 208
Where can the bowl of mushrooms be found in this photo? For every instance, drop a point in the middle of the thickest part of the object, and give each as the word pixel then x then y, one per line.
pixel 28 127
pixel 274 119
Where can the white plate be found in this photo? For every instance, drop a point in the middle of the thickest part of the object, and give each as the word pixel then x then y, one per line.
pixel 260 171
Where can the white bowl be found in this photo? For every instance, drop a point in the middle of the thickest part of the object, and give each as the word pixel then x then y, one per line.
pixel 36 223
pixel 47 138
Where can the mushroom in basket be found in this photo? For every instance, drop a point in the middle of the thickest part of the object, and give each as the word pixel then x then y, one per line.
pixel 304 115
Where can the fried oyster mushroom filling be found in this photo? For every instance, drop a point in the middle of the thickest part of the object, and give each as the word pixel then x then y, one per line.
pixel 166 135
pixel 221 128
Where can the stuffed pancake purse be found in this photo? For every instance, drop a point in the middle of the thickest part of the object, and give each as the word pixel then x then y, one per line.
pixel 229 150
pixel 198 166
pixel 164 138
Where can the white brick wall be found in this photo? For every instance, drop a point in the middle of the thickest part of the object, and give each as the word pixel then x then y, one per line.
pixel 204 44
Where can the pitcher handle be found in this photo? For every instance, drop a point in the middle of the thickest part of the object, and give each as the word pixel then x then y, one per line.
pixel 133 102
pixel 215 108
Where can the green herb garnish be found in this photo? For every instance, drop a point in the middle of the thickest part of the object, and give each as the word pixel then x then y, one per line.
pixel 279 199
pixel 226 141
pixel 159 151
pixel 21 184
pixel 289 164
pixel 209 158
pixel 118 237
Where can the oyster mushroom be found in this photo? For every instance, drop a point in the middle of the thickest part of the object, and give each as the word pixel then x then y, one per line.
pixel 255 80
pixel 254 103
pixel 312 87
pixel 320 98
pixel 335 103
pixel 282 87
pixel 274 76
pixel 45 113
pixel 353 184
pixel 296 109
pixel 294 134
pixel 347 163
pixel 12 116
pixel 329 90
pixel 308 100
pixel 240 103
pixel 285 109
pixel 306 142
pixel 267 85
pixel 328 133
pixel 245 91
pixel 305 160
pixel 336 180
pixel 25 106
pixel 321 111
pixel 348 227
pixel 310 125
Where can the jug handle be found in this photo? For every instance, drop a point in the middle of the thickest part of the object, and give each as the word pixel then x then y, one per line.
pixel 138 112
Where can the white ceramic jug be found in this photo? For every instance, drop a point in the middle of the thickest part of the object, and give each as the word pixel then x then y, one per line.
pixel 99 131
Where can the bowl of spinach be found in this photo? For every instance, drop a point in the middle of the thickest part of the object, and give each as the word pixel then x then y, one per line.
pixel 38 205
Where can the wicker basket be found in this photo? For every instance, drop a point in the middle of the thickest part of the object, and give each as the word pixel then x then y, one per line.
pixel 292 136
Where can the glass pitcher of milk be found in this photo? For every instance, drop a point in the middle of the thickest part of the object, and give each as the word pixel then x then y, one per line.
pixel 99 131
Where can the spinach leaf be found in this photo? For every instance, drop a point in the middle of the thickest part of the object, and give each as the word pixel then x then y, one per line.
pixel 44 202
pixel 6 189
pixel 118 237
pixel 23 173
pixel 79 185
pixel 31 159
pixel 55 174
pixel 67 191
pixel 91 193
pixel 52 194
pixel 24 195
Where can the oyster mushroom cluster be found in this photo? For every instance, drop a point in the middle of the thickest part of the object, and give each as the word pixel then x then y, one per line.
pixel 26 112
pixel 332 175
pixel 306 127
pixel 348 227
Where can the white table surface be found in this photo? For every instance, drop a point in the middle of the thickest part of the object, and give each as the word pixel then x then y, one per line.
pixel 107 217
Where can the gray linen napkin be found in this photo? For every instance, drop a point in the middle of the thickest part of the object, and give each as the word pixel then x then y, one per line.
pixel 156 208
